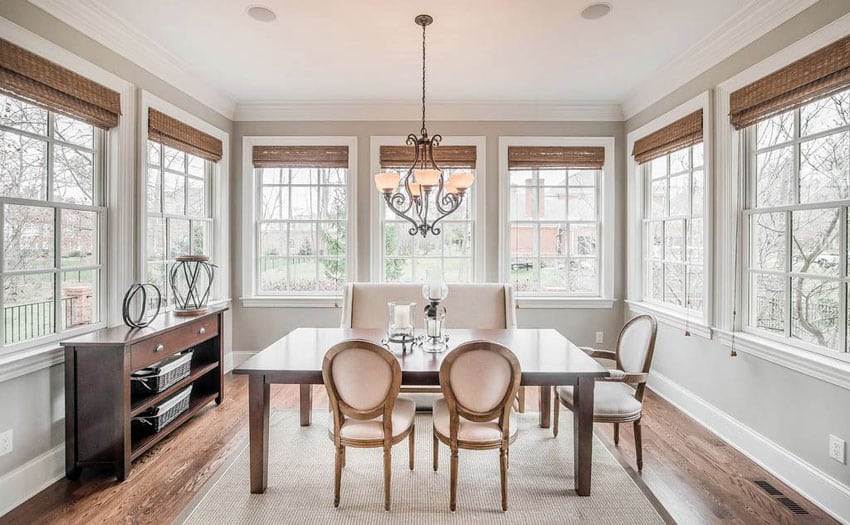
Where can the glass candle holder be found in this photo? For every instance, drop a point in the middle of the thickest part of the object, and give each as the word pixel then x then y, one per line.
pixel 435 328
pixel 400 329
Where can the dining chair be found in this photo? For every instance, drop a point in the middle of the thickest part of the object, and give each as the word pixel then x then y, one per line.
pixel 479 380
pixel 363 381
pixel 619 398
pixel 474 306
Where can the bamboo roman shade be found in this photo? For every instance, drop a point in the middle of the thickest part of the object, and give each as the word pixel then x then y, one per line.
pixel 173 133
pixel 555 157
pixel 401 157
pixel 685 132
pixel 39 81
pixel 300 156
pixel 817 75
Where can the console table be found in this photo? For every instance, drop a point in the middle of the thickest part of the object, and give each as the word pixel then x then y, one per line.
pixel 99 406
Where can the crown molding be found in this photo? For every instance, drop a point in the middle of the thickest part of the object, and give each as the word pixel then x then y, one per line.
pixel 746 26
pixel 98 22
pixel 437 111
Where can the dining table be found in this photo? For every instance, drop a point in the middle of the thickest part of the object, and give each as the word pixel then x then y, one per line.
pixel 547 358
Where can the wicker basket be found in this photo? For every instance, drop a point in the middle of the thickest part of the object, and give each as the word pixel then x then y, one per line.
pixel 160 376
pixel 157 417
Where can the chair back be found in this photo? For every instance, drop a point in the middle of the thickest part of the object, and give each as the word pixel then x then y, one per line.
pixel 363 380
pixel 635 347
pixel 473 306
pixel 479 380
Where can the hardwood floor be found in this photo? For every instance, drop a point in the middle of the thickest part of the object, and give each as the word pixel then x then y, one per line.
pixel 693 474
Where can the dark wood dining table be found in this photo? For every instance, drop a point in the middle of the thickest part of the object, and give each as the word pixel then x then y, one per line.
pixel 547 358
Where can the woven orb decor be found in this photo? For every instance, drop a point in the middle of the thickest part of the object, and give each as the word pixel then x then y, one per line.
pixel 191 279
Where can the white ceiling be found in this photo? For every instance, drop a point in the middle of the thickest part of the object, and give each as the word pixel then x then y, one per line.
pixel 504 51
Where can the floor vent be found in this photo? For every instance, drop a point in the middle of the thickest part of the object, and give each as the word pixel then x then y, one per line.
pixel 790 504
pixel 767 487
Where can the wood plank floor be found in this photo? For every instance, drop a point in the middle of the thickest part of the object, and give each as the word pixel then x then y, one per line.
pixel 693 474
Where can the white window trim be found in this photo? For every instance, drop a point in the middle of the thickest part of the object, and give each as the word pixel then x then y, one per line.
pixel 377 204
pixel 607 219
pixel 220 231
pixel 834 369
pixel 250 298
pixel 701 322
pixel 118 195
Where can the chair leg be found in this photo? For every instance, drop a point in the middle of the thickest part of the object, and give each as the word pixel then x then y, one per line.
pixel 453 482
pixel 436 452
pixel 503 464
pixel 338 473
pixel 521 400
pixel 411 447
pixel 557 415
pixel 343 457
pixel 638 446
pixel 616 434
pixel 387 476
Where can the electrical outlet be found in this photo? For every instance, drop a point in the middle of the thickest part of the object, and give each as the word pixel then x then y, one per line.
pixel 600 337
pixel 6 442
pixel 836 449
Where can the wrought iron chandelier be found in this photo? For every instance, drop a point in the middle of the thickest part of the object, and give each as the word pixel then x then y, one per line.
pixel 423 197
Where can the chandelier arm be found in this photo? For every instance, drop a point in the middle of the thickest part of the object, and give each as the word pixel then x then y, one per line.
pixel 403 214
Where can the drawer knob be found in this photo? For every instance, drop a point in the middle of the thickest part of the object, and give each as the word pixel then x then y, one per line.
pixel 159 348
pixel 202 331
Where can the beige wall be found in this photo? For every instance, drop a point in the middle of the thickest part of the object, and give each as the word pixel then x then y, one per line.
pixel 257 327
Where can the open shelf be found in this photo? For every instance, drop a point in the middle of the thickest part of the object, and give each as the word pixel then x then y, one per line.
pixel 146 441
pixel 143 403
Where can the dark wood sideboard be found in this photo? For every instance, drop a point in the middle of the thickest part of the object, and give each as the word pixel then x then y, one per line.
pixel 99 405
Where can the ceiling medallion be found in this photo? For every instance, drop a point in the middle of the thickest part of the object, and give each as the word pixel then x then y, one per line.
pixel 423 196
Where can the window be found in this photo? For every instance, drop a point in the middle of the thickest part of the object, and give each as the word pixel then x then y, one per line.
pixel 796 223
pixel 409 258
pixel 553 219
pixel 674 202
pixel 178 210
pixel 51 193
pixel 303 227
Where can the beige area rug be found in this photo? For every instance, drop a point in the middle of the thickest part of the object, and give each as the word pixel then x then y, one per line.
pixel 540 482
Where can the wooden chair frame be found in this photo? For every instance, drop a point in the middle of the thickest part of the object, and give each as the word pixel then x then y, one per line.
pixel 456 410
pixel 636 379
pixel 341 410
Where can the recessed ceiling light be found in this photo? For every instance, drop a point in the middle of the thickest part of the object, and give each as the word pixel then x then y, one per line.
pixel 596 10
pixel 261 13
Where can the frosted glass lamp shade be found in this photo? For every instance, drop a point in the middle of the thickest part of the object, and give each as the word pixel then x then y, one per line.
pixel 462 181
pixel 426 177
pixel 387 182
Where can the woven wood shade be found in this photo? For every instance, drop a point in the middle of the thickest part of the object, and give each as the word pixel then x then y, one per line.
pixel 817 75
pixel 685 132
pixel 401 157
pixel 300 156
pixel 555 157
pixel 173 133
pixel 39 81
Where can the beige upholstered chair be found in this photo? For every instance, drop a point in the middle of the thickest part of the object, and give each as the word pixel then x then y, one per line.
pixel 479 306
pixel 363 381
pixel 619 398
pixel 479 380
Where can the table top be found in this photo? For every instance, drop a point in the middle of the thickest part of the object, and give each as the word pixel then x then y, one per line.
pixel 546 356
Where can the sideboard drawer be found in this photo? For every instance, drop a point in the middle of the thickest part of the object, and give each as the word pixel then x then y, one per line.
pixel 158 348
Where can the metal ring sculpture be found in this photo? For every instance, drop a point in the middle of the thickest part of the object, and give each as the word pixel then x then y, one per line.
pixel 142 319
pixel 186 276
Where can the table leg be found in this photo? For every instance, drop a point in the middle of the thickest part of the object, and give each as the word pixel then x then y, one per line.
pixel 258 431
pixel 583 433
pixel 545 406
pixel 306 405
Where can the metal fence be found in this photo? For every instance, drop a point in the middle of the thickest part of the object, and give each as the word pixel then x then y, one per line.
pixel 770 315
pixel 29 321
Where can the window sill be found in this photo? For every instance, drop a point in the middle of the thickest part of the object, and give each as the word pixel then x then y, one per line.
pixel 23 362
pixel 293 301
pixel 695 325
pixel 590 303
pixel 813 364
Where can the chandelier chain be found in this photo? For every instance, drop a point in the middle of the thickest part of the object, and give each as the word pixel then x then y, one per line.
pixel 423 130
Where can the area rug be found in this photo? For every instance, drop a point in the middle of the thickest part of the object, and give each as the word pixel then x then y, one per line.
pixel 540 482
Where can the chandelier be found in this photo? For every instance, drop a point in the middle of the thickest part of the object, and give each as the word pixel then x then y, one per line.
pixel 423 196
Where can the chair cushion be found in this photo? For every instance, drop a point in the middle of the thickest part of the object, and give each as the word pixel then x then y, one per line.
pixel 610 399
pixel 370 429
pixel 470 430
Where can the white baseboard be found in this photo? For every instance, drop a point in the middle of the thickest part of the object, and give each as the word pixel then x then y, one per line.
pixel 31 478
pixel 821 489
